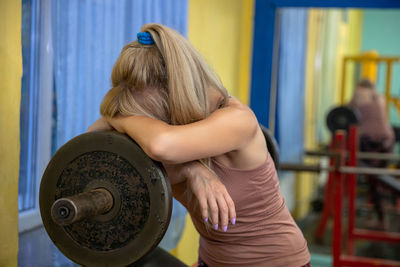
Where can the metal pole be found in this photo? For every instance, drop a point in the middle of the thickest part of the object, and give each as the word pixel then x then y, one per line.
pixel 327 211
pixel 352 182
pixel 374 155
pixel 339 141
pixel 370 171
pixel 388 85
pixel 361 155
pixel 299 167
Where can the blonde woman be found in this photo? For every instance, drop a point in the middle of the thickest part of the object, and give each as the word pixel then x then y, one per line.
pixel 168 100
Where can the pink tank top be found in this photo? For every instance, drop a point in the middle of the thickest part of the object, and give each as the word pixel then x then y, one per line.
pixel 265 233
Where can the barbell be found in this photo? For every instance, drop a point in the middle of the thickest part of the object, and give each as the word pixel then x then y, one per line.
pixel 104 202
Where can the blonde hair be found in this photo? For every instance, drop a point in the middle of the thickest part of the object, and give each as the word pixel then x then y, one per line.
pixel 168 80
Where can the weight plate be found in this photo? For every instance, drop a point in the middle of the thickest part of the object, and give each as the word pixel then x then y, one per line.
pixel 272 145
pixel 142 199
pixel 340 118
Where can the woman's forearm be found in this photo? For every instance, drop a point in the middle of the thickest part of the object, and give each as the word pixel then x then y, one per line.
pixel 205 138
pixel 147 132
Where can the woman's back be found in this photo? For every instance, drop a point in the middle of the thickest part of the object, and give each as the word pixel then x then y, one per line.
pixel 374 123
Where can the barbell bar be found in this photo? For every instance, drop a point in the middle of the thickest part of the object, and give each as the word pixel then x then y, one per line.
pixel 360 155
pixel 344 169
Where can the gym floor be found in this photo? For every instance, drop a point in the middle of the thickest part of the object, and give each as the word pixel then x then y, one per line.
pixel 37 250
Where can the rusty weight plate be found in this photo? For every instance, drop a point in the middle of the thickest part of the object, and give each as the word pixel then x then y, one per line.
pixel 142 199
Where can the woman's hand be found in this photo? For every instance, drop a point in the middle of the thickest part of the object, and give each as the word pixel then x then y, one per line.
pixel 216 205
pixel 99 125
pixel 104 124
pixel 117 123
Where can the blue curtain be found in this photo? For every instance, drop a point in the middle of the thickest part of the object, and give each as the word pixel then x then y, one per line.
pixel 88 36
pixel 291 75
pixel 29 108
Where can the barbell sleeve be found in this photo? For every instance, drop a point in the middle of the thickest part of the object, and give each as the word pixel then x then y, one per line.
pixel 302 167
pixel 69 210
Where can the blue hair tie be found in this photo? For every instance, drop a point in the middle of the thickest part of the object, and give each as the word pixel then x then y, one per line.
pixel 145 38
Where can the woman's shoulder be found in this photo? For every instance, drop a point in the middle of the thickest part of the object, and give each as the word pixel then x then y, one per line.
pixel 253 152
pixel 242 110
pixel 235 103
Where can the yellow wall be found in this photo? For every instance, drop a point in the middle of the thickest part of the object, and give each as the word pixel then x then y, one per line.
pixel 187 249
pixel 10 93
pixel 222 32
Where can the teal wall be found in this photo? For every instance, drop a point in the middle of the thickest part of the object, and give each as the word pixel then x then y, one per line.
pixel 381 32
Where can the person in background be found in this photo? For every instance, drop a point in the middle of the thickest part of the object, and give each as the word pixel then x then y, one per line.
pixel 376 134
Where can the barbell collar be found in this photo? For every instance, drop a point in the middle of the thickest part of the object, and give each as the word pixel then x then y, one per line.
pixel 72 209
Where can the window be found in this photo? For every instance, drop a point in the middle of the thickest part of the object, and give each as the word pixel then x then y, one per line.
pixel 35 124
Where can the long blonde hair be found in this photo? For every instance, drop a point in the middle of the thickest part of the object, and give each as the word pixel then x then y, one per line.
pixel 168 80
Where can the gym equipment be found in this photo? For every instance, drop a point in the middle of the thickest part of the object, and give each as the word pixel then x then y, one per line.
pixel 370 58
pixel 103 202
pixel 272 145
pixel 340 145
pixel 360 155
pixel 343 169
pixel 340 118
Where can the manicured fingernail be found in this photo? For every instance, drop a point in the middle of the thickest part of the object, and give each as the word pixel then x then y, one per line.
pixel 206 219
pixel 225 228
pixel 216 226
pixel 233 220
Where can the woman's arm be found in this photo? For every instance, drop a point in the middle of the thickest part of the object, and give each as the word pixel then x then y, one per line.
pixel 99 125
pixel 213 198
pixel 227 129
